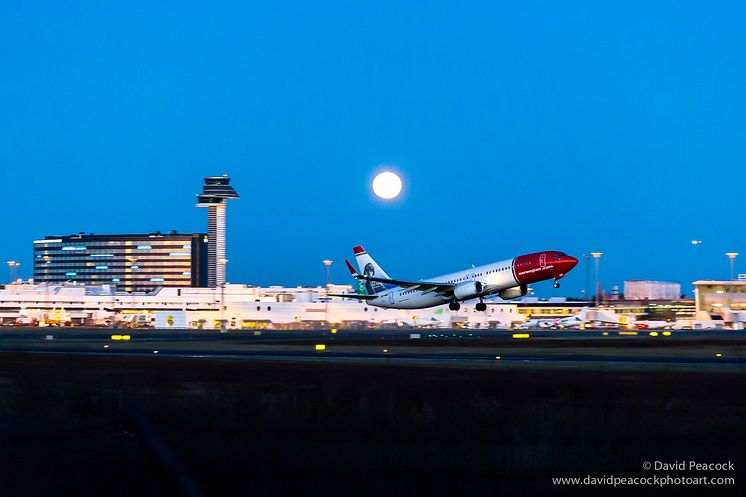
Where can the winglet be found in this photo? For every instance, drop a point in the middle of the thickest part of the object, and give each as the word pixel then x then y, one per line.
pixel 358 250
pixel 351 269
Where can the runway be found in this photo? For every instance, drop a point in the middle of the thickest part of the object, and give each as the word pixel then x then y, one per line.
pixel 472 348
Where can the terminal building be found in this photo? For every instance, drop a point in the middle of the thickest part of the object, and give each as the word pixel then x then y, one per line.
pixel 230 306
pixel 719 304
pixel 722 301
pixel 128 263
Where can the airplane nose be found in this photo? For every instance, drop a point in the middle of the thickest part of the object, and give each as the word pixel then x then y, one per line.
pixel 571 262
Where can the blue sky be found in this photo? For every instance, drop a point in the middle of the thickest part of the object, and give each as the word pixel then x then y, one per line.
pixel 518 126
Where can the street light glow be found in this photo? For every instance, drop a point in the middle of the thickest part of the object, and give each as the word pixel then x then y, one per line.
pixel 732 256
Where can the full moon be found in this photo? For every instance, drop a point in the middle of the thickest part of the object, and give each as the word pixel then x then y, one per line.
pixel 387 185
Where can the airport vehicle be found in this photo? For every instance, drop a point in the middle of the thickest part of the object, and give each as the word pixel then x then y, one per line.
pixel 137 321
pixel 508 279
pixel 26 321
pixel 559 323
pixel 655 325
pixel 429 322
pixel 56 317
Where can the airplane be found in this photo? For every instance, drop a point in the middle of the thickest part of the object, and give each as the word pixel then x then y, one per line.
pixel 508 278
pixel 568 322
pixel 654 325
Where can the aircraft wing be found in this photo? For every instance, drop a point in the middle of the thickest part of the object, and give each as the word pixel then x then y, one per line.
pixel 358 296
pixel 423 286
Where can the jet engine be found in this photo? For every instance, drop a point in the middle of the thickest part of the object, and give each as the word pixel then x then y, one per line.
pixel 468 290
pixel 513 292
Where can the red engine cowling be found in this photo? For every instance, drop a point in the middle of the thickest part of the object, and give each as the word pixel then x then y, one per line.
pixel 468 290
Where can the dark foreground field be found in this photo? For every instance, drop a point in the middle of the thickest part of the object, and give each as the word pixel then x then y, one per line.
pixel 92 425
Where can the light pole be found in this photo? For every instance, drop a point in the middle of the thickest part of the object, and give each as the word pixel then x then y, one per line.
pixel 221 270
pixel 13 269
pixel 597 258
pixel 587 275
pixel 732 256
pixel 328 264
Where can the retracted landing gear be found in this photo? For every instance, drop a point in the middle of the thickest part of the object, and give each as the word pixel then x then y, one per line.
pixel 454 306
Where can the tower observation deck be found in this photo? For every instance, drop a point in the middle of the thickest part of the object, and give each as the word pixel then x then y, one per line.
pixel 215 192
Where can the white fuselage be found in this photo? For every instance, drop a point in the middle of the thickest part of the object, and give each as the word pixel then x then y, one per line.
pixel 553 323
pixel 494 278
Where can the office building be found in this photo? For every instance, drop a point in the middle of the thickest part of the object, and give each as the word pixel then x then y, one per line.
pixel 130 263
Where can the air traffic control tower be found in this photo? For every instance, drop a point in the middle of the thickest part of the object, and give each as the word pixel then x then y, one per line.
pixel 215 193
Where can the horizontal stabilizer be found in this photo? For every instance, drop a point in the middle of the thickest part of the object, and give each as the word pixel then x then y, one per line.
pixel 358 296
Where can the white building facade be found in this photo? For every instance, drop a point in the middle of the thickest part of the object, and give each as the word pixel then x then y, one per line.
pixel 231 307
pixel 651 290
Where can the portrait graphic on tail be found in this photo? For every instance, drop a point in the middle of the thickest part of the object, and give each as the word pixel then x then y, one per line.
pixel 372 287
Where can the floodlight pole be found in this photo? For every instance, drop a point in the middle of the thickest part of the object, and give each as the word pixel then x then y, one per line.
pixel 328 264
pixel 597 258
pixel 732 256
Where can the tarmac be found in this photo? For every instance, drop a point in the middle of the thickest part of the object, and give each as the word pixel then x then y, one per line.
pixel 470 348
pixel 371 412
